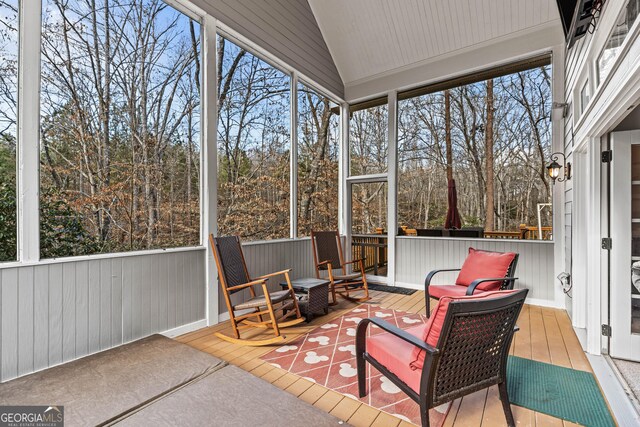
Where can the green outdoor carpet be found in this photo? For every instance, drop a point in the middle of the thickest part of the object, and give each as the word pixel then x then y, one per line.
pixel 560 392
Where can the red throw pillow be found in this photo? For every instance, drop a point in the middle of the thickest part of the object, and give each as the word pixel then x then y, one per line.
pixel 436 322
pixel 485 265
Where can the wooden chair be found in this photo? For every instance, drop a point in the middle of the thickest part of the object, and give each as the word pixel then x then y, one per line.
pixel 482 271
pixel 328 255
pixel 462 349
pixel 234 277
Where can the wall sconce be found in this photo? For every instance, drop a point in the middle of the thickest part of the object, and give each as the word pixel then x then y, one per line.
pixel 559 110
pixel 554 168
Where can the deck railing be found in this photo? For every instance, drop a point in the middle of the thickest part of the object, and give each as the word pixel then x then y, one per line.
pixel 371 247
pixel 524 233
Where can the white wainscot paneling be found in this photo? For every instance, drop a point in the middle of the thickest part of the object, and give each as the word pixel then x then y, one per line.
pixel 58 311
pixel 417 256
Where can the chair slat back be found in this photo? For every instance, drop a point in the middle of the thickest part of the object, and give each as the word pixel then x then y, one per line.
pixel 326 247
pixel 230 261
pixel 474 345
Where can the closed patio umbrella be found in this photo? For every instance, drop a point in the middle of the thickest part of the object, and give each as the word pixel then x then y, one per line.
pixel 453 216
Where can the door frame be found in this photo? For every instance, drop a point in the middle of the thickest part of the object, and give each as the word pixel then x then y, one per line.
pixel 620 229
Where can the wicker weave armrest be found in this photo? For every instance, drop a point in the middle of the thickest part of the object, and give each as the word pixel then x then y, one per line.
pixel 277 273
pixel 394 330
pixel 427 281
pixel 475 283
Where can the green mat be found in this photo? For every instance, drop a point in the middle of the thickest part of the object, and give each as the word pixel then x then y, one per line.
pixel 560 392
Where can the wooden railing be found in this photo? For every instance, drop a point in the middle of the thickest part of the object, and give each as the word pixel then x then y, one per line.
pixel 525 233
pixel 371 247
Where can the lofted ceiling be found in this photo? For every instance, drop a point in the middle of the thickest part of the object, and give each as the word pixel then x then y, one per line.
pixel 372 38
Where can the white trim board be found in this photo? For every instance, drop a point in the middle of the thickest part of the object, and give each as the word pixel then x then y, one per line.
pixel 619 403
pixel 184 329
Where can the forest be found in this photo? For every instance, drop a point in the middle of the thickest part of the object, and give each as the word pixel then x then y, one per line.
pixel 121 127
pixel 492 137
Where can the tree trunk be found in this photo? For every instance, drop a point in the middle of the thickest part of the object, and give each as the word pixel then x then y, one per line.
pixel 488 155
pixel 447 127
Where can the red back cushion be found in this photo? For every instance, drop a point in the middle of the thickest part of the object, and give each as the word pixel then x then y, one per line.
pixel 485 265
pixel 436 322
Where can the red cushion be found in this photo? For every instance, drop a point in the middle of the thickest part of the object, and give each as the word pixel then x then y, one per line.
pixel 485 265
pixel 434 326
pixel 396 354
pixel 439 291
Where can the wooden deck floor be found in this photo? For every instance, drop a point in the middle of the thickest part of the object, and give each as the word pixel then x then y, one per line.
pixel 545 335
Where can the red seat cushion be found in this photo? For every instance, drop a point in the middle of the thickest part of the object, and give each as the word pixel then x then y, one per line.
pixel 485 265
pixel 439 291
pixel 396 354
pixel 406 360
pixel 436 322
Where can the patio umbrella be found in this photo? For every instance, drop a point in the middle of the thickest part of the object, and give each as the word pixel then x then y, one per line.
pixel 453 216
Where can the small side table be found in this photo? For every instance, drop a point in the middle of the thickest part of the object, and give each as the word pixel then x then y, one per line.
pixel 313 296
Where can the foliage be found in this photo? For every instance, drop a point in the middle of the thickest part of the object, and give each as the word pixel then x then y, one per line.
pixel 119 126
pixel 62 230
pixel 522 143
pixel 254 151
pixel 8 233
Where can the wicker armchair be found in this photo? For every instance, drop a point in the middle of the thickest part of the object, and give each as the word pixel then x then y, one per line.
pixel 462 349
pixel 482 271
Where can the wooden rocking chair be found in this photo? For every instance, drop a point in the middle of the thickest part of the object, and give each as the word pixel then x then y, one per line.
pixel 327 255
pixel 234 277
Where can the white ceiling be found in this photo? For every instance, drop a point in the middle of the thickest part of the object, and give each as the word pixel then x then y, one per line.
pixel 370 38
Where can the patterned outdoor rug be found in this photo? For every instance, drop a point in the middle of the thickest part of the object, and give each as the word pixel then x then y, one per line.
pixel 326 356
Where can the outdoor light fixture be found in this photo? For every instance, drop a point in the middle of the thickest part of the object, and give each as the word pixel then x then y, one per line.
pixel 559 110
pixel 554 168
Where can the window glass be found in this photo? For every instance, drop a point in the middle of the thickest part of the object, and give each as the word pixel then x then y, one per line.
pixel 369 225
pixel 318 158
pixel 368 140
pixel 621 28
pixel 500 192
pixel 253 145
pixel 584 97
pixel 120 127
pixel 8 114
pixel 369 208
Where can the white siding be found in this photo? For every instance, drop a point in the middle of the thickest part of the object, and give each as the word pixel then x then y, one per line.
pixel 56 312
pixel 416 256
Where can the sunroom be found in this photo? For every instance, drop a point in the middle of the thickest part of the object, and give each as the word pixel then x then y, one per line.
pixel 138 137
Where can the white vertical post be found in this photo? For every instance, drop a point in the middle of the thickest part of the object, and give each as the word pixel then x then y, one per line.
pixel 558 192
pixel 293 159
pixel 579 243
pixel 209 167
pixel 344 189
pixel 28 177
pixel 595 285
pixel 392 192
